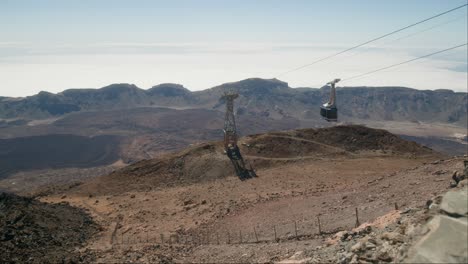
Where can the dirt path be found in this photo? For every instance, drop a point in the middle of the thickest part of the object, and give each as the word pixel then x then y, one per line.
pixel 315 142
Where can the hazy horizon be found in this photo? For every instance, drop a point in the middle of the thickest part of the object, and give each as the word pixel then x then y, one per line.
pixel 54 45
pixel 192 90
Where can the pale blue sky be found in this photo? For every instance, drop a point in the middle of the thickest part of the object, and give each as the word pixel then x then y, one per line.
pixel 54 45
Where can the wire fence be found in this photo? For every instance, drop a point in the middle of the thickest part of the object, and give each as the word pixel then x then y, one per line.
pixel 299 229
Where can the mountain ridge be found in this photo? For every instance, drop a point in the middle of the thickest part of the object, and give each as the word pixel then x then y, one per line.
pixel 265 97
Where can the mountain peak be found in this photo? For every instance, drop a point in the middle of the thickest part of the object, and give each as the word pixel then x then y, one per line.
pixel 261 83
pixel 255 85
pixel 168 89
pixel 120 86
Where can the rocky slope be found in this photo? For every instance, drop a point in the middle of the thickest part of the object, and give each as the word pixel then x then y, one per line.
pixel 36 232
pixel 190 207
pixel 207 162
pixel 432 233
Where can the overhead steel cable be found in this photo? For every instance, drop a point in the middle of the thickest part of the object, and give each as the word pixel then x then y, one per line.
pixel 400 38
pixel 385 44
pixel 401 63
pixel 372 40
pixel 429 28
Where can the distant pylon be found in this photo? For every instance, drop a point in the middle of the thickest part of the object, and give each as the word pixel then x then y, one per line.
pixel 229 119
pixel 230 138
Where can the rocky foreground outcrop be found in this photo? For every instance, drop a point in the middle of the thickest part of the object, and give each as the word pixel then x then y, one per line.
pixel 434 233
pixel 446 240
pixel 36 232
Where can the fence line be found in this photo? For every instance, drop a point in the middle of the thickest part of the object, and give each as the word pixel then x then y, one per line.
pixel 291 231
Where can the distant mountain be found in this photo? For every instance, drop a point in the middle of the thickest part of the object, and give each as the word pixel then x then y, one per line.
pixel 258 97
pixel 169 90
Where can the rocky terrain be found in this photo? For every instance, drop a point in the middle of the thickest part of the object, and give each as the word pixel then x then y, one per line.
pixel 129 124
pixel 189 206
pixel 36 232
pixel 432 233
pixel 178 199
pixel 339 194
pixel 207 162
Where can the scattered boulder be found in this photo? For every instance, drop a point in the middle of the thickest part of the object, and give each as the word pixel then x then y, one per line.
pixel 393 237
pixel 455 203
pixel 384 253
pixel 445 243
pixel 357 247
pixel 370 245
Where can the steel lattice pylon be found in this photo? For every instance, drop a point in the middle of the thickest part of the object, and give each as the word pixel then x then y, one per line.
pixel 229 119
pixel 230 139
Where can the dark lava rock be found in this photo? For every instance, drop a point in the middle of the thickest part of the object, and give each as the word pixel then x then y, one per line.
pixel 35 232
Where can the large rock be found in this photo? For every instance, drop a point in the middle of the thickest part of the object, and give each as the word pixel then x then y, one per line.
pixel 446 242
pixel 455 202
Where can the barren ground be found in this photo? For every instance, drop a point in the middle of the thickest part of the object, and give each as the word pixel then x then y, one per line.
pixel 141 214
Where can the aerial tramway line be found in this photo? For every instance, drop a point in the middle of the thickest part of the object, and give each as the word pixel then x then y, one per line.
pixel 328 111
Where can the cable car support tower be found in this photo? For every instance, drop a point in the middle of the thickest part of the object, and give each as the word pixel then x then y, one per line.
pixel 230 139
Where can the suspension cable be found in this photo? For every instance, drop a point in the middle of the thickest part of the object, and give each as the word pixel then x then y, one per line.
pixel 372 40
pixel 401 63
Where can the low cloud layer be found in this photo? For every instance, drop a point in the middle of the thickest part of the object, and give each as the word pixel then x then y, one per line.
pixel 27 69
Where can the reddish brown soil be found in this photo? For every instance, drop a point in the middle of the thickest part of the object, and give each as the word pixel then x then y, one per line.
pixel 207 162
pixel 302 174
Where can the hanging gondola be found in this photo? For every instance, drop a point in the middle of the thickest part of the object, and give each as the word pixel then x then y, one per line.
pixel 328 110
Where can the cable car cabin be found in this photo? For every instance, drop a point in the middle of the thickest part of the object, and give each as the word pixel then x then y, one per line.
pixel 328 110
pixel 329 113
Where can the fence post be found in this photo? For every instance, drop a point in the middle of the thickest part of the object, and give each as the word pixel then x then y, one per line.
pixel 295 228
pixel 256 236
pixel 229 237
pixel 396 206
pixel 357 218
pixel 240 236
pixel 162 238
pixel 276 238
pixel 217 238
pixel 319 225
